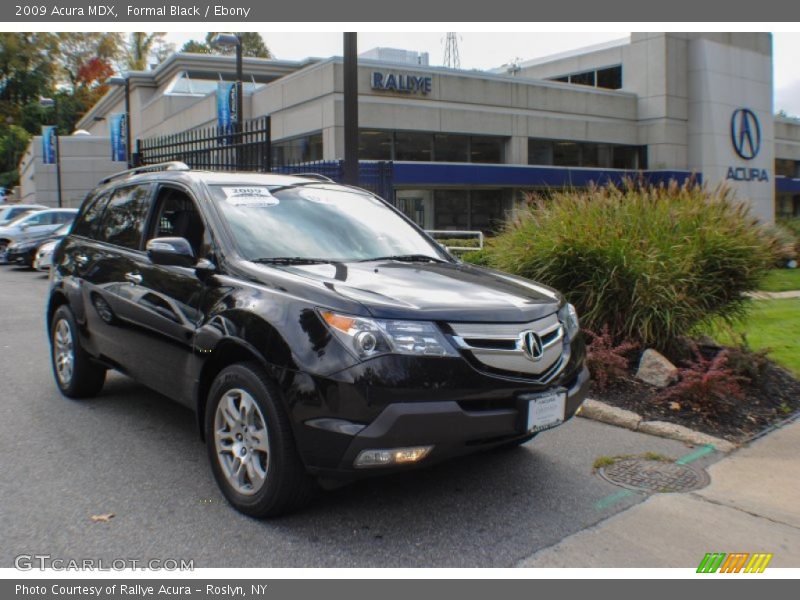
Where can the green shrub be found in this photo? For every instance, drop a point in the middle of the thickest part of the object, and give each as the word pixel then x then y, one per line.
pixel 648 263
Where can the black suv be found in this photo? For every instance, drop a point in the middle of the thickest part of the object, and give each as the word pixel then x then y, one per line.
pixel 316 331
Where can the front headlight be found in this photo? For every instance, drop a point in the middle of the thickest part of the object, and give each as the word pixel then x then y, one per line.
pixel 569 319
pixel 367 338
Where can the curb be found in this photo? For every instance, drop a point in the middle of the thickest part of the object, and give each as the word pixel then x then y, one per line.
pixel 619 417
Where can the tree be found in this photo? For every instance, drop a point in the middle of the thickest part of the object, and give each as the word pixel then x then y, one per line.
pixel 252 45
pixel 195 47
pixel 143 47
pixel 82 53
pixel 27 69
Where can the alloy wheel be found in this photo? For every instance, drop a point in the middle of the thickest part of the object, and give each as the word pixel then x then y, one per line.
pixel 242 441
pixel 63 351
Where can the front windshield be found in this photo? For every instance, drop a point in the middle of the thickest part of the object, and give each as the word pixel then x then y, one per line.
pixel 316 222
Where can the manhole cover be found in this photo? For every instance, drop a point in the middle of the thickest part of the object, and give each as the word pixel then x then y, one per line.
pixel 654 476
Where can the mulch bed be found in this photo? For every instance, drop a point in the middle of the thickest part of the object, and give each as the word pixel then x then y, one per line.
pixel 775 397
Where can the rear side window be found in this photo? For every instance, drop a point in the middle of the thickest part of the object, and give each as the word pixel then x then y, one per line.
pixel 124 218
pixel 87 220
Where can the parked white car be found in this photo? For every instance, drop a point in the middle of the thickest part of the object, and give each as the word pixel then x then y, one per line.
pixel 10 212
pixel 44 256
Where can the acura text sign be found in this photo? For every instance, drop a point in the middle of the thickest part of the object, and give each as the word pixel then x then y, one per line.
pixel 404 84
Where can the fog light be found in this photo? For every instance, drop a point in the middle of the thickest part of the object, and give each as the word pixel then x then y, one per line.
pixel 391 456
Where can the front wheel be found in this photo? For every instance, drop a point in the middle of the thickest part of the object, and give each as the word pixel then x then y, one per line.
pixel 77 376
pixel 251 447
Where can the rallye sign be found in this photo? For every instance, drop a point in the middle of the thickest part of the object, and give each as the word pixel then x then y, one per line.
pixel 404 84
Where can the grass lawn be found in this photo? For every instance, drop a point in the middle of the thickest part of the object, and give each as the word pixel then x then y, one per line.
pixel 773 324
pixel 781 280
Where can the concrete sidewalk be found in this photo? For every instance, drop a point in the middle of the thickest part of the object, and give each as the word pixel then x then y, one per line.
pixel 751 505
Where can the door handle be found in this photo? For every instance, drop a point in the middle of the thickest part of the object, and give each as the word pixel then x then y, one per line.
pixel 134 278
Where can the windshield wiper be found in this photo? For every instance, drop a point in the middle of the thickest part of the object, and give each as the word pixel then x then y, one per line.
pixel 291 260
pixel 406 258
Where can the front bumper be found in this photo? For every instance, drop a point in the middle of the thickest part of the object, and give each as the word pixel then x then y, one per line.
pixel 454 428
pixel 25 255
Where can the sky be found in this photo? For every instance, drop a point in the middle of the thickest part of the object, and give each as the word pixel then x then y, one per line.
pixel 489 50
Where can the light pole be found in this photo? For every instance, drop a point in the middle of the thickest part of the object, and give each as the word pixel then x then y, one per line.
pixel 350 65
pixel 226 40
pixel 46 103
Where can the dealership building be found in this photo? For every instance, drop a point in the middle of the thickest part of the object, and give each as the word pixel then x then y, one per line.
pixel 466 145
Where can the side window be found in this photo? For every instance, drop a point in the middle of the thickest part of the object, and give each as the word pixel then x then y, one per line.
pixel 124 218
pixel 64 217
pixel 86 221
pixel 41 218
pixel 177 216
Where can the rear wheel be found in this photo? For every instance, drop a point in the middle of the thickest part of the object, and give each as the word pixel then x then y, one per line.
pixel 75 373
pixel 251 447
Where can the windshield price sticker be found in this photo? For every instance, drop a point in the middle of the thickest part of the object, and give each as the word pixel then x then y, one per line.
pixel 251 197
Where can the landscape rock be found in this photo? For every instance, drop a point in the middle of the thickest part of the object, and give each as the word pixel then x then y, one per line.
pixel 656 370
pixel 684 434
pixel 600 411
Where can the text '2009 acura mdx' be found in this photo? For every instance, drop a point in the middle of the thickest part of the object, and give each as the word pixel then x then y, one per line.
pixel 319 334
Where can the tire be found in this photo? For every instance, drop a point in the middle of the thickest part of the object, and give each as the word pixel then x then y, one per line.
pixel 260 475
pixel 86 377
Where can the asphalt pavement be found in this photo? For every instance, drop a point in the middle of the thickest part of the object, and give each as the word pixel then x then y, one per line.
pixel 133 453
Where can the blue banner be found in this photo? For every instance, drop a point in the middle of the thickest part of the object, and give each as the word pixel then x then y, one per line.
pixel 227 116
pixel 49 144
pixel 118 129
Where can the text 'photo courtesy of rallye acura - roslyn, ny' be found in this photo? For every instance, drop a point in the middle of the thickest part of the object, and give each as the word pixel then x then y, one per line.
pixel 319 334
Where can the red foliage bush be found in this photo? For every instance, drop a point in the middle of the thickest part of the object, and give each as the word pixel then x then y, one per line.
pixel 608 362
pixel 707 384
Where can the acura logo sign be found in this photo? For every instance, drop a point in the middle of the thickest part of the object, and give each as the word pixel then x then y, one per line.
pixel 745 133
pixel 531 345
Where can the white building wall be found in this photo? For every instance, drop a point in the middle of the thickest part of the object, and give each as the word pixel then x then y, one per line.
pixel 723 78
pixel 85 160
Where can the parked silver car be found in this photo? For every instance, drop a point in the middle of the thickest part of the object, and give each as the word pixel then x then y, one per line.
pixel 44 255
pixel 10 212
pixel 35 224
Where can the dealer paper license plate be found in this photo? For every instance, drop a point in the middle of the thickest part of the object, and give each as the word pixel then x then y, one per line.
pixel 546 410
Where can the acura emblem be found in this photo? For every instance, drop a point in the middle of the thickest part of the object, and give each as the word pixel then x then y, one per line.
pixel 745 133
pixel 531 345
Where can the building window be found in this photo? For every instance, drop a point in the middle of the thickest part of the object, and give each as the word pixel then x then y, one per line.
pixel 610 78
pixel 449 147
pixel 468 210
pixel 607 77
pixel 585 78
pixel 486 149
pixel 426 147
pixel 306 148
pixel 566 153
pixel 411 145
pixel 375 145
pixel 787 167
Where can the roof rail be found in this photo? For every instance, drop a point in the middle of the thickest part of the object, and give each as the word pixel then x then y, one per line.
pixel 318 176
pixel 173 165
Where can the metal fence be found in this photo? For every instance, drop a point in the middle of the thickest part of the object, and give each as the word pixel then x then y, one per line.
pixel 250 149
pixel 213 148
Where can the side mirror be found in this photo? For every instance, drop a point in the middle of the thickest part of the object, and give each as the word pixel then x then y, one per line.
pixel 171 252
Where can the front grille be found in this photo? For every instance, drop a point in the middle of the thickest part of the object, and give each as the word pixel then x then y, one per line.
pixel 500 346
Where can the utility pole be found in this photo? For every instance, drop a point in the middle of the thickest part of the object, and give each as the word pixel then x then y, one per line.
pixel 351 108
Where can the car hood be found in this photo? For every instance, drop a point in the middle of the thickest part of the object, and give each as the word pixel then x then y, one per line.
pixel 434 291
